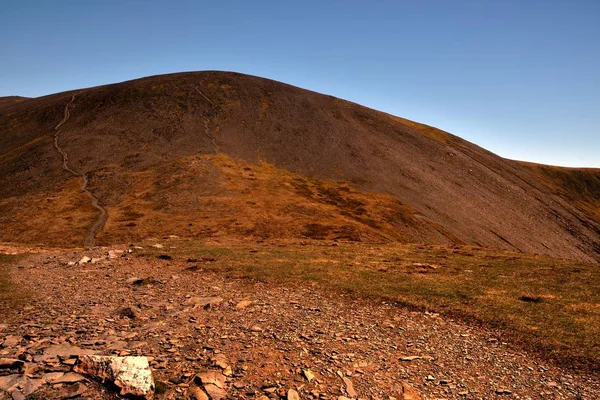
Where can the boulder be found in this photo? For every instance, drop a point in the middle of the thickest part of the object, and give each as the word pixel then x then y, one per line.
pixel 132 375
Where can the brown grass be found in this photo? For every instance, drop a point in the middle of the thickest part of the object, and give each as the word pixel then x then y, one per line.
pixel 581 187
pixel 221 197
pixel 551 305
pixel 10 296
pixel 65 216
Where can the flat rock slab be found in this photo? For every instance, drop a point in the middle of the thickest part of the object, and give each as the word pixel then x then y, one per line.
pixel 66 351
pixel 52 377
pixel 215 392
pixel 11 341
pixel 69 377
pixel 10 363
pixel 212 378
pixel 20 386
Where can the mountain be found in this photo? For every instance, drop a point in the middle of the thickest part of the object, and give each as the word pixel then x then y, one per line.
pixel 10 100
pixel 228 156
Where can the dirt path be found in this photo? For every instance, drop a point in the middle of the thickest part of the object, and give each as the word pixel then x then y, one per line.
pixel 264 339
pixel 206 121
pixel 98 225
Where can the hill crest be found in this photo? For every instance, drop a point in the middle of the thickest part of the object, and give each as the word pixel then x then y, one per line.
pixel 119 135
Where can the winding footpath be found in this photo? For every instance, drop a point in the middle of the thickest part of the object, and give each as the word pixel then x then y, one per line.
pixel 103 216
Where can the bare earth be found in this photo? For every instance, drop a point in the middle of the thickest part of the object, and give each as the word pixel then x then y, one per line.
pixel 262 338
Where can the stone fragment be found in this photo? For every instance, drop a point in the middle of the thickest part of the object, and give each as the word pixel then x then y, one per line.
pixel 212 378
pixel 349 387
pixel 215 392
pixel 205 302
pixel 66 351
pixel 72 391
pixel 20 386
pixel 51 377
pixel 70 361
pixel 129 312
pixel 292 395
pixel 8 381
pixel 243 304
pixel 29 368
pixel 113 254
pixel 69 377
pixel 131 374
pixel 220 361
pixel 11 341
pixel 84 260
pixel 410 358
pixel 195 393
pixel 308 374
pixel 10 363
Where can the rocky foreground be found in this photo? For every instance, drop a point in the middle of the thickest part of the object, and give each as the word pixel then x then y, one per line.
pixel 207 336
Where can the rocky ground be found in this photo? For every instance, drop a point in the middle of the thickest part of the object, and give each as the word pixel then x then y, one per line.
pixel 210 336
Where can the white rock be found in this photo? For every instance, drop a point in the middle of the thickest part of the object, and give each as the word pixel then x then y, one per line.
pixel 84 260
pixel 113 254
pixel 131 374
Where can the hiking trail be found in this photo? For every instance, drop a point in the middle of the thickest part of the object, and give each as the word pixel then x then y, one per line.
pixel 103 216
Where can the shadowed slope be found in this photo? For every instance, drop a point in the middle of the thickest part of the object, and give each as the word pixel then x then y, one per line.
pixel 117 133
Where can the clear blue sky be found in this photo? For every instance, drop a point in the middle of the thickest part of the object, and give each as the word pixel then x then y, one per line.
pixel 520 78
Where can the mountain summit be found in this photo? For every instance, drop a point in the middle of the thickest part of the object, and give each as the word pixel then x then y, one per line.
pixel 228 156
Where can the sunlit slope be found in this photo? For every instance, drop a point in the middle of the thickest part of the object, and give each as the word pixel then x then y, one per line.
pixel 134 141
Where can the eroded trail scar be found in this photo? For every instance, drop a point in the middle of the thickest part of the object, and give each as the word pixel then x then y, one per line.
pixel 210 136
pixel 103 214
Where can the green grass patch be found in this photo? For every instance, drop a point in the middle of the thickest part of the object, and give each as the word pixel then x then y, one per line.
pixel 551 305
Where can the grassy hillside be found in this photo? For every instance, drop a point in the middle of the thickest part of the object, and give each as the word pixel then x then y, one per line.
pixel 149 142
